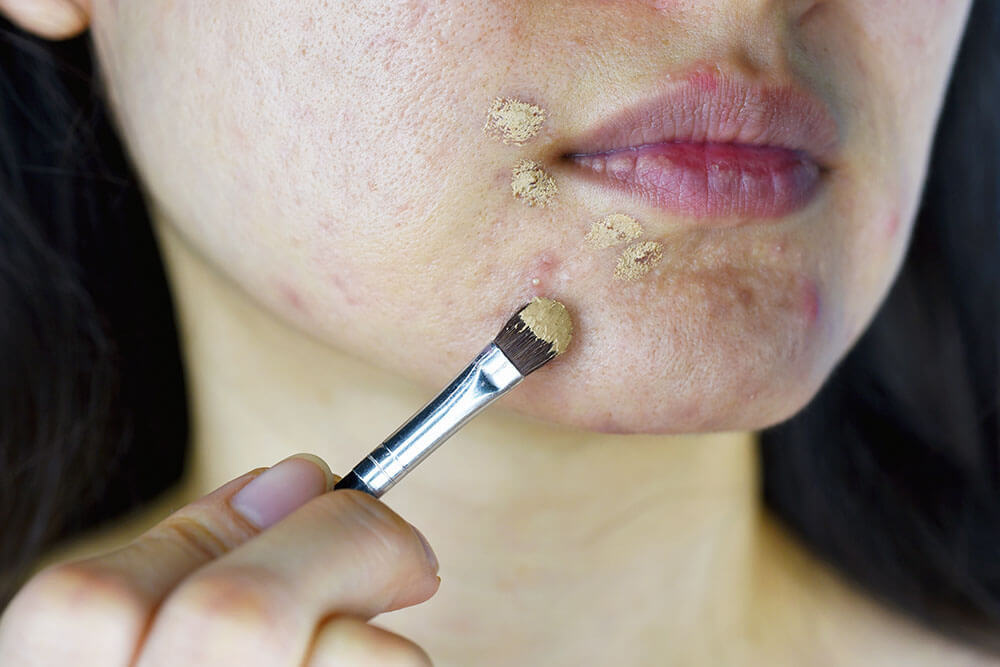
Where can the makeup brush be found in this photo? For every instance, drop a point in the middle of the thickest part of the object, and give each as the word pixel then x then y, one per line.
pixel 536 334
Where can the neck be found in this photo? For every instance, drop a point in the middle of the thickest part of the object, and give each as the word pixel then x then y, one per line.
pixel 528 520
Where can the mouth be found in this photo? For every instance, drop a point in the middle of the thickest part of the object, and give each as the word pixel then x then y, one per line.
pixel 712 146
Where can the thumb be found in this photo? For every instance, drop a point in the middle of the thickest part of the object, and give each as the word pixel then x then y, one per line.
pixel 209 527
pixel 282 488
pixel 224 519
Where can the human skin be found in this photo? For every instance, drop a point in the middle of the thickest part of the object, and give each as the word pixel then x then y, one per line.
pixel 332 163
pixel 333 168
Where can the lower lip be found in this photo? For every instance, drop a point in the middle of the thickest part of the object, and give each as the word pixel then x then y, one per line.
pixel 709 180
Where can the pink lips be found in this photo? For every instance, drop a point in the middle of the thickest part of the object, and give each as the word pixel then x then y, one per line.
pixel 712 146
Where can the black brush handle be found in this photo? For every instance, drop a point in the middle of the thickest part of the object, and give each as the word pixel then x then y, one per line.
pixel 352 481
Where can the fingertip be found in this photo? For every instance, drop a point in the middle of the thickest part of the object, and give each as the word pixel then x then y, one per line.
pixel 428 551
pixel 328 475
pixel 48 19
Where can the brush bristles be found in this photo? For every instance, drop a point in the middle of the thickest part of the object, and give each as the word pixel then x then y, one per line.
pixel 526 351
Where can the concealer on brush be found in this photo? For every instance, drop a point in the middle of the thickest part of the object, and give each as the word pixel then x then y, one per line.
pixel 536 334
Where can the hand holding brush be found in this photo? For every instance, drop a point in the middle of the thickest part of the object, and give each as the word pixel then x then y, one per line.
pixel 270 568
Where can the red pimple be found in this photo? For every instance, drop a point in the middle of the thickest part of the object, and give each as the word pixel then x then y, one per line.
pixel 810 301
pixel 892 224
pixel 540 271
pixel 341 283
pixel 291 296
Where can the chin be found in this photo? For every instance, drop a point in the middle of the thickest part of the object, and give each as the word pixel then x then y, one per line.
pixel 645 410
pixel 664 371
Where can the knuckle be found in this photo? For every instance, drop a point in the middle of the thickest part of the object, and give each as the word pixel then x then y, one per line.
pixel 382 535
pixel 229 601
pixel 194 536
pixel 77 604
pixel 76 587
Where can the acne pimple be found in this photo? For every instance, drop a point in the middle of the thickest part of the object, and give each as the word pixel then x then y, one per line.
pixel 810 301
pixel 513 121
pixel 291 296
pixel 541 271
pixel 531 184
pixel 892 224
pixel 612 230
pixel 638 259
pixel 342 286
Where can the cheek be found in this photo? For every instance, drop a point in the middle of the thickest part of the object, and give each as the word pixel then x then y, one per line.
pixel 874 256
pixel 396 98
pixel 890 226
pixel 886 64
pixel 542 273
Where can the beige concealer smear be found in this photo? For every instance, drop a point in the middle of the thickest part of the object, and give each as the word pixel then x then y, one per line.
pixel 612 230
pixel 531 184
pixel 550 321
pixel 513 121
pixel 638 259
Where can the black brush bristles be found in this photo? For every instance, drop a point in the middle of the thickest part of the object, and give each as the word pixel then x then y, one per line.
pixel 526 351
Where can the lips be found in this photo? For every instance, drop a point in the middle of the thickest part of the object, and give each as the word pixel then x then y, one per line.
pixel 712 146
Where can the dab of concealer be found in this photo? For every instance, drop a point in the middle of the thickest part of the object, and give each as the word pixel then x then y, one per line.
pixel 531 184
pixel 612 230
pixel 638 259
pixel 513 121
pixel 550 321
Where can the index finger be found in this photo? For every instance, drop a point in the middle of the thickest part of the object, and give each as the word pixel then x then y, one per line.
pixel 344 552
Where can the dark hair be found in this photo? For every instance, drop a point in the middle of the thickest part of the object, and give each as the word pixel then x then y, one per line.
pixel 92 404
pixel 890 473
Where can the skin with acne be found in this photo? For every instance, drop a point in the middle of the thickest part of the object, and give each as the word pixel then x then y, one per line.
pixel 328 170
pixel 334 166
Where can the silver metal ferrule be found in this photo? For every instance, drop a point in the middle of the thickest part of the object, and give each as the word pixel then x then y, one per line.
pixel 490 375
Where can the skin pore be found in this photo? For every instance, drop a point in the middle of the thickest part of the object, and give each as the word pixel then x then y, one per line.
pixel 341 239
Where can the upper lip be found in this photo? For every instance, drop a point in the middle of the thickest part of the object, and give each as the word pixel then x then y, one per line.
pixel 712 106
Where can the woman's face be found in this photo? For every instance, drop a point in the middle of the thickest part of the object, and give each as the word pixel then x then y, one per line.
pixel 331 159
